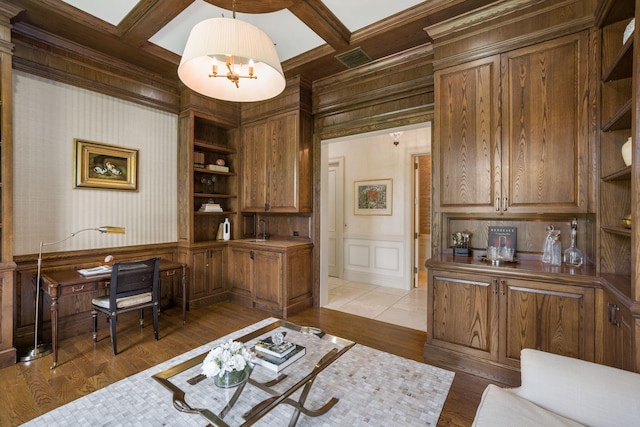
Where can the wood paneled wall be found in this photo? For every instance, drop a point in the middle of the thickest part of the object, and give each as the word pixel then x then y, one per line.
pixel 392 92
pixel 49 56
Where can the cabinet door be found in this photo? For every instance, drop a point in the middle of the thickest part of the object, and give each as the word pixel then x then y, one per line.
pixel 240 271
pixel 267 279
pixel 255 174
pixel 207 275
pixel 466 145
pixel 554 318
pixel 283 163
pixel 618 335
pixel 545 127
pixel 464 313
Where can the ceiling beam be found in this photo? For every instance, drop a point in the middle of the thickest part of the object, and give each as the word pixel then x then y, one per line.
pixel 322 21
pixel 148 17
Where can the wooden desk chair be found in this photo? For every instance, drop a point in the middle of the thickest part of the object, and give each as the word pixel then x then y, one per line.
pixel 134 286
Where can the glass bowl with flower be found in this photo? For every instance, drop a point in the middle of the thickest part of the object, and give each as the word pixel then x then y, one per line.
pixel 229 364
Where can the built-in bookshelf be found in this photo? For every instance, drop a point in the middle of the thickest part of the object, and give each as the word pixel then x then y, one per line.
pixel 208 160
pixel 616 126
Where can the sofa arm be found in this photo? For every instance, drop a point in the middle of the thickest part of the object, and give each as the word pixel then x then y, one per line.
pixel 586 392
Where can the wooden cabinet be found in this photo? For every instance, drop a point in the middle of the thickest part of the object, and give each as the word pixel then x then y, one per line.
pixel 486 320
pixel 619 183
pixel 203 139
pixel 618 334
pixel 509 138
pixel 277 164
pixel 276 278
pixel 207 276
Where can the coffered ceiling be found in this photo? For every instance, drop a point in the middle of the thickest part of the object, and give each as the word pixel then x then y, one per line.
pixel 308 34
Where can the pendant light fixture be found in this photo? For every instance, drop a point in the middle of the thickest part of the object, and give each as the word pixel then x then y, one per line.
pixel 231 60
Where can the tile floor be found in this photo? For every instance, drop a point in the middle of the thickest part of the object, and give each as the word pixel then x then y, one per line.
pixel 397 306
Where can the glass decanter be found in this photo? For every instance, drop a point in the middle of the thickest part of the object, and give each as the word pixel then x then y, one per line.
pixel 553 238
pixel 573 256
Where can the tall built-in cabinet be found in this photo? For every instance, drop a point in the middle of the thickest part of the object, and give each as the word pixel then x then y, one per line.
pixel 206 141
pixel 513 146
pixel 619 184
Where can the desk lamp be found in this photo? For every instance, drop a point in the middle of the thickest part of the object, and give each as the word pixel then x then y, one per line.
pixel 40 350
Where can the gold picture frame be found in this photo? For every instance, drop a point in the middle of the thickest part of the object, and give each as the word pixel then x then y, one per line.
pixel 374 197
pixel 104 166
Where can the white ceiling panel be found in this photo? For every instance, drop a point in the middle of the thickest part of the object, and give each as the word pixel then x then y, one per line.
pixel 357 14
pixel 111 11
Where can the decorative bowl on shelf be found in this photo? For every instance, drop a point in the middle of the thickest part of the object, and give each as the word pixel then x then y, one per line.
pixel 626 152
pixel 626 221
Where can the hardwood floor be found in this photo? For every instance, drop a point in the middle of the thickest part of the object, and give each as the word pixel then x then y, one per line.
pixel 32 388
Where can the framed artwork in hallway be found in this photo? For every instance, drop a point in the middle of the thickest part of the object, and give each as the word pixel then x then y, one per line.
pixel 373 197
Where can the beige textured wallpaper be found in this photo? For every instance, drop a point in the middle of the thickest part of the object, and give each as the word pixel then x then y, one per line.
pixel 48 115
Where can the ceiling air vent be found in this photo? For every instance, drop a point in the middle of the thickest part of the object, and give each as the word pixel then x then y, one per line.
pixel 354 58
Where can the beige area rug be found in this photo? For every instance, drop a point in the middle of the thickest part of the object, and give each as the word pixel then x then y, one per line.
pixel 375 389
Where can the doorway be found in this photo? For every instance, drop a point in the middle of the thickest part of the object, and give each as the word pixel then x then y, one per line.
pixel 375 250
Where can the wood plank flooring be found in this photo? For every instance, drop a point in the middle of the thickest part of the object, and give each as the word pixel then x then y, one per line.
pixel 32 388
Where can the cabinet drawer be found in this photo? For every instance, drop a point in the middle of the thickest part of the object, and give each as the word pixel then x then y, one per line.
pixel 83 287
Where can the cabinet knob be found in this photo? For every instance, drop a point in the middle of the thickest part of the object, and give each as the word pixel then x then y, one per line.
pixel 504 204
pixel 251 254
pixel 497 204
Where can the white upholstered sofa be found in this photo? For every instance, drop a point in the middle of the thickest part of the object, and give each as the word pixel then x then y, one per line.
pixel 562 391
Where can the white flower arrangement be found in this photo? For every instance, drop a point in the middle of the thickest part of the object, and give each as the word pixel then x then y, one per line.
pixel 228 357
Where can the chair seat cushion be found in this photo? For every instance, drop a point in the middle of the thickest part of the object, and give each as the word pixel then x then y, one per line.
pixel 124 302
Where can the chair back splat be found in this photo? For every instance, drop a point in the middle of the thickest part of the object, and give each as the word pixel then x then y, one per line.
pixel 134 286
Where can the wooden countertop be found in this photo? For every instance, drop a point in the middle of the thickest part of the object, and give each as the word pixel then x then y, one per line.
pixel 525 268
pixel 270 243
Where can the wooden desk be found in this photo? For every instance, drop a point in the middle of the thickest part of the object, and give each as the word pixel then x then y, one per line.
pixel 63 283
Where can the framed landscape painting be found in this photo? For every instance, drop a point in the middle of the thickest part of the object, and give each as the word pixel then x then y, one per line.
pixel 104 166
pixel 374 197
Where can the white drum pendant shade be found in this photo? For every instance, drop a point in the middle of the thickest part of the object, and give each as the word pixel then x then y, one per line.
pixel 220 37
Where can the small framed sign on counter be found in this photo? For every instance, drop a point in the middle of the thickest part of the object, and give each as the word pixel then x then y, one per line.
pixel 503 237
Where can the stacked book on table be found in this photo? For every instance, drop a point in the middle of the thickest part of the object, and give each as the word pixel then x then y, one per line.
pixel 277 356
pixel 210 207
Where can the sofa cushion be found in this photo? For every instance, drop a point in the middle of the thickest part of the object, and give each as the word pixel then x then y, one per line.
pixel 587 392
pixel 502 407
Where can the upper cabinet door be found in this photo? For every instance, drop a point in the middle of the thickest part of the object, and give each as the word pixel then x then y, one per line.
pixel 283 163
pixel 545 128
pixel 255 176
pixel 277 173
pixel 466 174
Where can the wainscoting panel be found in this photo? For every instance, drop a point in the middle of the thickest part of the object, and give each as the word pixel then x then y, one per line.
pixel 378 260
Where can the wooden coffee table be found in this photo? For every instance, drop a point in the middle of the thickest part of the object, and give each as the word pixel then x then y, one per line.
pixel 245 404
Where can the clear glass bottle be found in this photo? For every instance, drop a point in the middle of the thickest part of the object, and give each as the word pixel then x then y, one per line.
pixel 556 249
pixel 573 255
pixel 552 236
